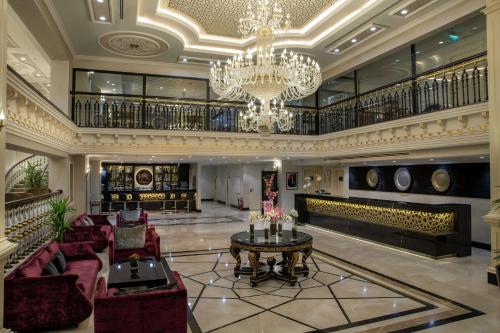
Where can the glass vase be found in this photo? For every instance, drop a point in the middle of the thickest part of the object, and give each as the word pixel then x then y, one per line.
pixel 294 230
pixel 273 229
pixel 252 229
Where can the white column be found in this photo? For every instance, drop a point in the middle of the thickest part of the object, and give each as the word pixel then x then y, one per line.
pixel 60 84
pixel 492 13
pixel 6 247
pixel 59 175
pixel 95 180
pixel 198 186
pixel 79 183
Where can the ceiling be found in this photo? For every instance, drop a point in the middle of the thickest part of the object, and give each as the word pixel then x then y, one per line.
pixel 191 33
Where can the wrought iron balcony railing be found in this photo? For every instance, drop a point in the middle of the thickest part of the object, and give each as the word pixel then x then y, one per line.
pixel 113 111
pixel 461 83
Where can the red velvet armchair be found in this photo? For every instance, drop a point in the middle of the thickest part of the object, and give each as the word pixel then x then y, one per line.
pixel 41 302
pixel 143 218
pixel 151 247
pixel 160 311
pixel 98 233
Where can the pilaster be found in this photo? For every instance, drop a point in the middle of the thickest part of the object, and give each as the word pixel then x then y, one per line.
pixel 492 13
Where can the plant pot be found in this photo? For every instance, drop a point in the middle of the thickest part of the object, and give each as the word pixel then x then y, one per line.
pixel 497 267
pixel 273 229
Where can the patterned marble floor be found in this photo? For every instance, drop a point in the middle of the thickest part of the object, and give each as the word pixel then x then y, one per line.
pixel 336 296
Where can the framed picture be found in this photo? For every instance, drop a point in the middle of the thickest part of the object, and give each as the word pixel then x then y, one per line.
pixel 292 181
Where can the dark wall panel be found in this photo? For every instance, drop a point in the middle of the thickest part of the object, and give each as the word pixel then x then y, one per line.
pixel 470 180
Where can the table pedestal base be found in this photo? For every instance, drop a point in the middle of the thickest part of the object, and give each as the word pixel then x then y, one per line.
pixel 258 273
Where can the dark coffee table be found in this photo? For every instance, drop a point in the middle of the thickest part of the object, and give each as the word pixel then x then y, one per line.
pixel 152 273
pixel 285 243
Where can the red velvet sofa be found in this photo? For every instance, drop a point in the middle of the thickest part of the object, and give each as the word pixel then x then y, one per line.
pixel 151 247
pixel 98 233
pixel 143 218
pixel 36 301
pixel 160 311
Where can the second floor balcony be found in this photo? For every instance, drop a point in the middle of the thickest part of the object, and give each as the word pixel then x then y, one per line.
pixel 457 84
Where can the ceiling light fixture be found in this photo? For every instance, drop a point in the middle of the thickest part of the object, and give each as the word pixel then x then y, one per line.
pixel 100 1
pixel 404 12
pixel 184 60
pixel 354 40
pixel 336 50
pixel 441 42
pixel 373 29
pixel 263 75
pixel 38 74
pixel 23 59
pixel 102 18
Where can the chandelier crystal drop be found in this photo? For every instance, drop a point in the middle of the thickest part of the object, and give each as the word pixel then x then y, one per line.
pixel 264 75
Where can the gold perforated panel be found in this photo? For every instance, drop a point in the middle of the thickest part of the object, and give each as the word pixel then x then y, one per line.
pixel 151 196
pixel 395 217
pixel 220 17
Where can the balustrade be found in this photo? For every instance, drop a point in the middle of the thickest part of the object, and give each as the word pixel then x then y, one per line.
pixel 28 225
pixel 458 84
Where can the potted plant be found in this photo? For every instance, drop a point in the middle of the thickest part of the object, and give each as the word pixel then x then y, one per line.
pixel 35 178
pixel 59 210
pixel 134 263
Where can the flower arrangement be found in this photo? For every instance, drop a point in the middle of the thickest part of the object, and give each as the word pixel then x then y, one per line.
pixel 134 259
pixel 273 215
pixel 268 192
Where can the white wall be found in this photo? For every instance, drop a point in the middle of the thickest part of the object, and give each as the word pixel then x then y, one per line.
pixel 12 157
pixel 479 207
pixel 207 182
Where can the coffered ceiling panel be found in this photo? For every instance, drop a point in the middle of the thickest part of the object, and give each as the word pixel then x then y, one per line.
pixel 220 17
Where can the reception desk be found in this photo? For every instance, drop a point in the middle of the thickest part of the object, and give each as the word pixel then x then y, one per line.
pixel 172 200
pixel 432 230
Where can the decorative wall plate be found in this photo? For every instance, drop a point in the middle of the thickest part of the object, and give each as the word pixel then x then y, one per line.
pixel 441 180
pixel 372 178
pixel 402 179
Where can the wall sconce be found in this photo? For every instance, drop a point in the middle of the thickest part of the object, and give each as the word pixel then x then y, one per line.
pixel 2 119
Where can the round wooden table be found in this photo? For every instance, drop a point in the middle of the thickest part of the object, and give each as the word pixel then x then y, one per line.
pixel 284 243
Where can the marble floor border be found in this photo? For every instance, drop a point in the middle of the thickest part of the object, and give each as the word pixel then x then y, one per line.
pixel 412 292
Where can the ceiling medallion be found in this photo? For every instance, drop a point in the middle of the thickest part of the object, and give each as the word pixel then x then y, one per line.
pixel 263 75
pixel 133 44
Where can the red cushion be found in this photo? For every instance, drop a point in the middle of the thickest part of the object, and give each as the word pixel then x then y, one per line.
pixel 52 248
pixel 87 274
pixel 44 258
pixel 31 270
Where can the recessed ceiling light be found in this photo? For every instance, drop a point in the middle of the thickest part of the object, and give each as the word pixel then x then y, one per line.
pixel 481 157
pixel 161 87
pixel 441 42
pixel 112 84
pixel 184 60
pixel 354 40
pixel 153 156
pixel 114 89
pixel 102 18
pixel 417 52
pixel 185 89
pixel 396 60
pixel 48 84
pixel 404 12
pixel 431 159
pixel 38 74
pixel 100 1
pixel 23 59
pixel 373 29
pixel 336 50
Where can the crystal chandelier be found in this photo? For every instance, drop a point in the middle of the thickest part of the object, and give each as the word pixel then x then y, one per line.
pixel 262 75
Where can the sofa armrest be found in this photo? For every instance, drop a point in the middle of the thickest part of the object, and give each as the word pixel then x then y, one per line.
pixel 44 302
pixel 79 251
pixel 152 237
pixel 111 248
